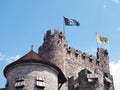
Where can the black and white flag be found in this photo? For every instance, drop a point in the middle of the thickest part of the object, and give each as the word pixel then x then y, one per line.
pixel 71 22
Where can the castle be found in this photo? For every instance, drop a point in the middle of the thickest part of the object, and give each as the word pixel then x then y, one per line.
pixel 59 67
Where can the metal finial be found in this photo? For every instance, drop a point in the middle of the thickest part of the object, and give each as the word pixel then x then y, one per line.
pixel 32 47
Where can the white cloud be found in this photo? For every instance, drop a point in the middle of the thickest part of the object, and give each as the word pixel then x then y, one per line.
pixel 12 58
pixel 116 1
pixel 114 69
pixel 8 59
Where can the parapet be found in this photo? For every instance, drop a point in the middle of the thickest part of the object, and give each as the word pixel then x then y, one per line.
pixel 49 34
pixel 102 50
pixel 80 56
pixel 55 48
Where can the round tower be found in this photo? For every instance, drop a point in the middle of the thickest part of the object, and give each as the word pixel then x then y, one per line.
pixel 54 48
pixel 31 72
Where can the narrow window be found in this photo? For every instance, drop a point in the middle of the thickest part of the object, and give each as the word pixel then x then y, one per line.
pixel 20 83
pixel 40 83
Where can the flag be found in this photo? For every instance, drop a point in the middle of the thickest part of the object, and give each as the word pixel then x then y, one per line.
pixel 71 22
pixel 102 40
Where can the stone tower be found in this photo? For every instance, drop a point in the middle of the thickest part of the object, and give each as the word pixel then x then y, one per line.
pixel 59 67
pixel 53 48
pixel 31 72
pixel 102 60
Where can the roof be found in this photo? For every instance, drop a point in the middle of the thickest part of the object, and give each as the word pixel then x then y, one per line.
pixel 30 55
pixel 34 57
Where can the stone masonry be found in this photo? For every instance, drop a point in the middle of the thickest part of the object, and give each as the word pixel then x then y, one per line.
pixel 29 74
pixel 59 67
pixel 83 71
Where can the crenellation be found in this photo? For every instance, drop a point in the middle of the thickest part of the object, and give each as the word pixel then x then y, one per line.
pixel 86 55
pixel 92 59
pixel 66 67
pixel 56 31
pixel 71 50
pixel 56 42
pixel 77 53
pixel 54 45
pixel 56 35
pixel 49 33
pixel 82 58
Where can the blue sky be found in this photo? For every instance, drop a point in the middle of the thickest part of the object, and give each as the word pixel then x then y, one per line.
pixel 24 22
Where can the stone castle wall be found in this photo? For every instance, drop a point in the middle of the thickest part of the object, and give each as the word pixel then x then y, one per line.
pixel 72 62
pixel 83 71
pixel 56 50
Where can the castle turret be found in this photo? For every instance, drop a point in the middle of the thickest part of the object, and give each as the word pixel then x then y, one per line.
pixel 105 81
pixel 54 48
pixel 31 72
pixel 103 60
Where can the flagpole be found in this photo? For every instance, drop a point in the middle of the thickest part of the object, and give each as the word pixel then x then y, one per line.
pixel 63 25
pixel 97 41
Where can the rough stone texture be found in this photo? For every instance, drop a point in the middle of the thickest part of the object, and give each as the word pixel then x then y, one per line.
pixel 83 71
pixel 53 48
pixel 29 72
pixel 72 62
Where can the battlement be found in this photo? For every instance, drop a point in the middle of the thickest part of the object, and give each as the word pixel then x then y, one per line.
pixel 67 68
pixel 55 49
pixel 77 54
pixel 37 73
pixel 56 34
